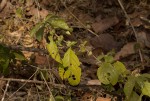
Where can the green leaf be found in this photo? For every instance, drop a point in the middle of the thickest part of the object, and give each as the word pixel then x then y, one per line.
pixel 4 59
pixel 140 81
pixel 108 58
pixel 70 59
pixel 70 43
pixel 53 50
pixel 146 89
pixel 107 74
pixel 38 28
pixel 51 98
pixel 39 33
pixel 61 72
pixel 67 74
pixel 19 55
pixel 129 85
pixel 75 76
pixel 146 75
pixel 120 67
pixel 134 97
pixel 44 75
pixel 19 12
pixel 59 40
pixel 59 98
pixel 58 22
pixel 5 65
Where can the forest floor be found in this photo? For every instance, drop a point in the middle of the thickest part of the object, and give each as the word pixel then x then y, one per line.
pixel 99 27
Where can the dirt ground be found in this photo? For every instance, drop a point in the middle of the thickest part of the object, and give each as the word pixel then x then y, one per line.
pixel 100 26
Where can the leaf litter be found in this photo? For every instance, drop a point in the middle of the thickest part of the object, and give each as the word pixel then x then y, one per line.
pixel 100 17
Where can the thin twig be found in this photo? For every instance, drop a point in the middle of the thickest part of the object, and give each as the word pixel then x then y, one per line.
pixel 21 48
pixel 33 81
pixel 51 95
pixel 7 85
pixel 21 86
pixel 135 33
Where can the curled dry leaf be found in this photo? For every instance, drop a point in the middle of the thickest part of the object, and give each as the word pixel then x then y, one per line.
pixel 104 24
pixel 27 41
pixel 27 54
pixel 127 50
pixel 103 99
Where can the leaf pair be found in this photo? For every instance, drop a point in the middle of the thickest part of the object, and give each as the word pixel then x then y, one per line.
pixel 69 65
pixel 52 21
pixel 109 73
pixel 57 22
pixel 70 69
pixel 139 82
pixel 73 74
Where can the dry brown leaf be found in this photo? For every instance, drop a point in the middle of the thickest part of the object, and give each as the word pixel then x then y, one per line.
pixel 103 99
pixel 87 97
pixel 105 41
pixel 127 50
pixel 3 3
pixel 143 38
pixel 104 24
pixel 40 59
pixel 136 22
pixel 38 13
pixel 27 54
pixel 7 10
pixel 46 2
pixel 85 18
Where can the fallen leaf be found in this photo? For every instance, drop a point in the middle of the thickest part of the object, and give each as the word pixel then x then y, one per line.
pixel 85 18
pixel 93 82
pixel 104 24
pixel 105 41
pixel 37 13
pixel 27 54
pixel 46 2
pixel 27 41
pixel 3 4
pixel 103 99
pixel 143 38
pixel 136 22
pixel 87 97
pixel 6 10
pixel 127 50
pixel 40 60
